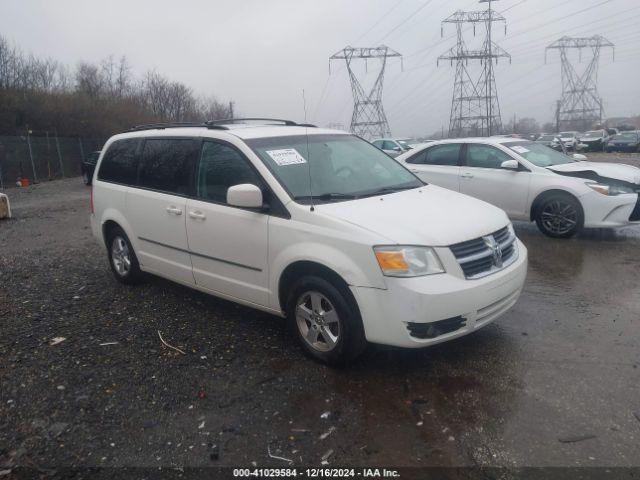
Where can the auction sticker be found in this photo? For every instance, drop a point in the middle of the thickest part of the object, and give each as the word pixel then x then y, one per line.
pixel 286 156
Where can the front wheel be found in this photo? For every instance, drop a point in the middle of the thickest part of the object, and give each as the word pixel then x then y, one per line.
pixel 325 320
pixel 559 216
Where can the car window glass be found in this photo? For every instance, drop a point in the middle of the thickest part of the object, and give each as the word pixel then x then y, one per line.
pixel 447 154
pixel 485 156
pixel 167 165
pixel 387 145
pixel 418 158
pixel 119 164
pixel 221 167
pixel 378 143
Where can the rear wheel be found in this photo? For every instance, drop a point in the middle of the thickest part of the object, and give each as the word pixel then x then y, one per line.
pixel 122 259
pixel 325 320
pixel 559 216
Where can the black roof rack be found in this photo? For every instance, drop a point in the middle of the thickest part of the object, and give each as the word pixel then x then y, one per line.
pixel 161 126
pixel 215 124
pixel 226 121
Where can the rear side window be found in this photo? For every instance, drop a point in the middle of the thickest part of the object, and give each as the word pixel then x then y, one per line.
pixel 119 164
pixel 221 167
pixel 167 165
pixel 447 154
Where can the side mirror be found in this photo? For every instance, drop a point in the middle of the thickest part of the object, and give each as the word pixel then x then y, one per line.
pixel 397 149
pixel 579 156
pixel 510 165
pixel 244 195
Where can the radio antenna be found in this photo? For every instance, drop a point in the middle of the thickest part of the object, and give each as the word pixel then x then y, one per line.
pixel 306 130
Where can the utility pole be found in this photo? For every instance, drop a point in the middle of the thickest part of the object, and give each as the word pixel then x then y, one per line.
pixel 368 119
pixel 475 101
pixel 581 106
pixel 231 109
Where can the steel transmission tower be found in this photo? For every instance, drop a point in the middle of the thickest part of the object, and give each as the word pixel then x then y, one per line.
pixel 368 119
pixel 475 109
pixel 581 106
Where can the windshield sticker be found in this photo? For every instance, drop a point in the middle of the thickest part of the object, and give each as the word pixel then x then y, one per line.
pixel 519 149
pixel 286 156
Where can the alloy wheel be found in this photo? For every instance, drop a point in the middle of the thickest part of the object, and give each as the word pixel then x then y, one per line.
pixel 318 321
pixel 559 217
pixel 120 256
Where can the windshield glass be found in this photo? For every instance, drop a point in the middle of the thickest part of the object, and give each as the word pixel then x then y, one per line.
pixel 405 143
pixel 538 154
pixel 336 167
pixel 627 136
pixel 567 134
pixel 594 134
pixel 547 138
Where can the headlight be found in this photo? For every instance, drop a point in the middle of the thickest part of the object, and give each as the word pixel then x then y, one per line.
pixel 407 261
pixel 609 190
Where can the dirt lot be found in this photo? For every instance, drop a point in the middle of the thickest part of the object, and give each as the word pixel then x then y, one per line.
pixel 555 382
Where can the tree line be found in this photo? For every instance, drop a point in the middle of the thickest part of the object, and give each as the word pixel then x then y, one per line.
pixel 92 99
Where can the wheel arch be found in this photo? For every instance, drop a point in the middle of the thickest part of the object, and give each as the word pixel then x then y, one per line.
pixel 537 202
pixel 300 268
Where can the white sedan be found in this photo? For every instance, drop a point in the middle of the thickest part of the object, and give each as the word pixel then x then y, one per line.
pixel 532 182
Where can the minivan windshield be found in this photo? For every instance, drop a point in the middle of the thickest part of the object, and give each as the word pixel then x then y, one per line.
pixel 330 168
pixel 539 154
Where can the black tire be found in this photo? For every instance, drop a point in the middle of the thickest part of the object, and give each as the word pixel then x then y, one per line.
pixel 559 215
pixel 131 273
pixel 350 332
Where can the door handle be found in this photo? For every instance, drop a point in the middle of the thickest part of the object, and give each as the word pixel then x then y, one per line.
pixel 174 210
pixel 467 175
pixel 198 215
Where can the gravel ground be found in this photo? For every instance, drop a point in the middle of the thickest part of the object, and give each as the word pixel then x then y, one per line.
pixel 555 382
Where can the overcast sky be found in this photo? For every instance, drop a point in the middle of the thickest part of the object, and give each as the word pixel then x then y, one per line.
pixel 263 53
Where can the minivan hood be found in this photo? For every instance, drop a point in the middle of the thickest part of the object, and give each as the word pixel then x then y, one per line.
pixel 617 171
pixel 428 215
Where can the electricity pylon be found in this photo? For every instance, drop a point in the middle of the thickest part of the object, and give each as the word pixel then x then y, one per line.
pixel 368 119
pixel 581 106
pixel 475 109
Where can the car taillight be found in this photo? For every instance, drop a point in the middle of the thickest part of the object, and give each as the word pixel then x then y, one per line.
pixel 91 199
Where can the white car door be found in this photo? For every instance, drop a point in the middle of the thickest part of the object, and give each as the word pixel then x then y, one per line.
pixel 482 177
pixel 228 245
pixel 156 207
pixel 438 164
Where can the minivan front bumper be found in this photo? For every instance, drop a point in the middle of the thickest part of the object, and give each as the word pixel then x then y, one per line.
pixel 422 311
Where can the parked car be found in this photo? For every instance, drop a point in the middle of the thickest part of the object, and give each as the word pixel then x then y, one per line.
pixel 311 224
pixel 533 182
pixel 550 140
pixel 88 166
pixel 571 140
pixel 624 142
pixel 595 140
pixel 394 146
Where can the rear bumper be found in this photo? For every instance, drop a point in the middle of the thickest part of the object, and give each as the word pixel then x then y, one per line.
pixel 400 315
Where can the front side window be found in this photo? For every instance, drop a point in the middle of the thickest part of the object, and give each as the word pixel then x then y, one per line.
pixel 326 168
pixel 119 164
pixel 389 145
pixel 378 143
pixel 538 154
pixel 167 165
pixel 485 156
pixel 221 167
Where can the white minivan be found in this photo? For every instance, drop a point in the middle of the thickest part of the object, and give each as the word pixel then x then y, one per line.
pixel 314 225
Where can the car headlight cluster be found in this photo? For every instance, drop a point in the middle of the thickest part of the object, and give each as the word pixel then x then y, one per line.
pixel 609 190
pixel 407 260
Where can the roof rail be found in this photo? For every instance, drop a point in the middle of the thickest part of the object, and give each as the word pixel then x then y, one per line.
pixel 162 126
pixel 288 123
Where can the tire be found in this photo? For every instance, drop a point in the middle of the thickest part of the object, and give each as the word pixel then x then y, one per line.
pixel 122 258
pixel 318 310
pixel 559 215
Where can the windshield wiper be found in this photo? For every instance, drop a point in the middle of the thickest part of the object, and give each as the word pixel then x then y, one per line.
pixel 328 196
pixel 388 190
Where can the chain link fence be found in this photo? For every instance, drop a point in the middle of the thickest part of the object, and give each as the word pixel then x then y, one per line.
pixel 42 156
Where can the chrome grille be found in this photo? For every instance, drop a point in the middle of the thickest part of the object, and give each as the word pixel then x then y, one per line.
pixel 485 255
